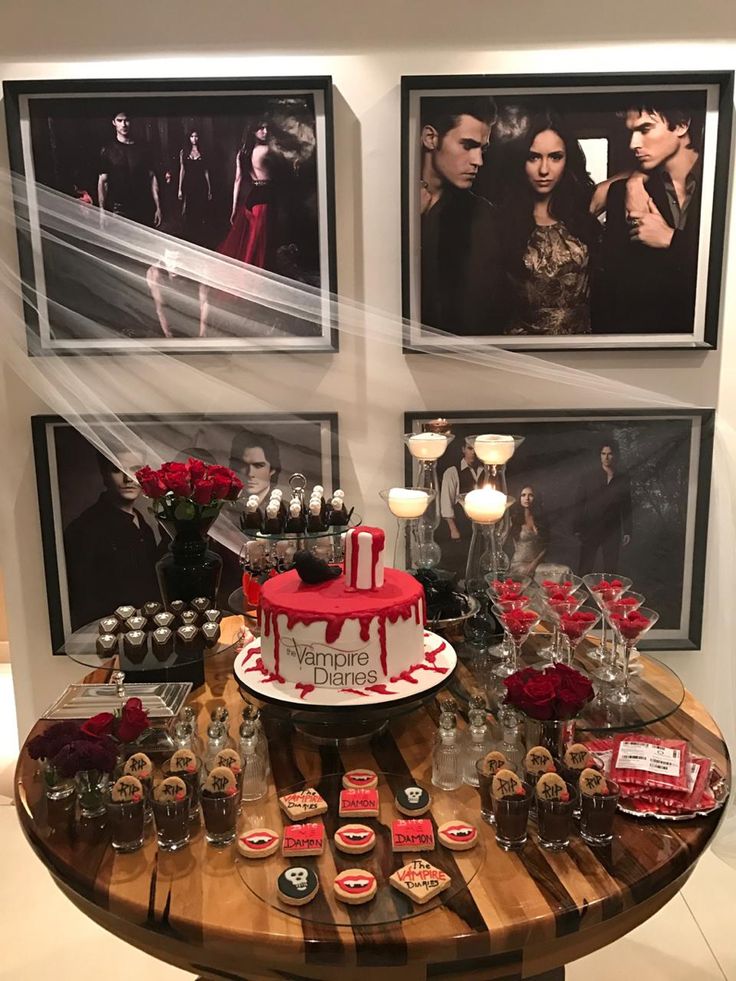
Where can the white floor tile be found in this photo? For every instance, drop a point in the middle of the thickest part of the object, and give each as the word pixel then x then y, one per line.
pixel 668 947
pixel 709 893
pixel 42 935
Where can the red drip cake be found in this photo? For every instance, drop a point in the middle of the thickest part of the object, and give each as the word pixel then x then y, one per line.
pixel 356 633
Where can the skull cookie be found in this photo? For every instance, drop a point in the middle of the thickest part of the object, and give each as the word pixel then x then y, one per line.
pixel 413 801
pixel 297 886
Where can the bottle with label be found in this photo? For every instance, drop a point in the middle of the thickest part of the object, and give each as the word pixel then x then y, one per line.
pixel 255 782
pixel 476 744
pixel 447 759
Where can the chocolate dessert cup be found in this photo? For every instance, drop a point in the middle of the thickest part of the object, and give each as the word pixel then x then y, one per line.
pixel 220 817
pixel 172 823
pixel 127 822
pixel 555 820
pixel 511 816
pixel 596 815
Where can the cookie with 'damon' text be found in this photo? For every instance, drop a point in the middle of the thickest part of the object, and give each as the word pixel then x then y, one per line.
pixel 359 803
pixel 303 839
pixel 412 836
pixel 258 843
pixel 355 886
pixel 457 835
pixel 413 801
pixel 356 839
pixel 359 780
pixel 297 886
pixel 302 804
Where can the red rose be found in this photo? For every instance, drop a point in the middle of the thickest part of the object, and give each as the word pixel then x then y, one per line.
pixel 202 491
pixel 151 483
pixel 133 721
pixel 539 696
pixel 99 725
pixel 236 487
pixel 220 485
pixel 177 478
pixel 197 469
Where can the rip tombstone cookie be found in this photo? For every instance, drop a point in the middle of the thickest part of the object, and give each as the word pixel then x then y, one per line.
pixel 127 789
pixel 539 760
pixel 577 757
pixel 593 782
pixel 551 786
pixel 506 784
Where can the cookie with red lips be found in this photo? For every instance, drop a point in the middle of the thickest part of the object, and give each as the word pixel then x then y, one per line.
pixel 359 780
pixel 355 886
pixel 458 836
pixel 355 838
pixel 258 843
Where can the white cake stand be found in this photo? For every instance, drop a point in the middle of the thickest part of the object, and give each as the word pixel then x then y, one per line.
pixel 327 715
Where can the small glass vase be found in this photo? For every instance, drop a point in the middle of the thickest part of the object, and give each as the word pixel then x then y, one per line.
pixel 189 568
pixel 553 734
pixel 91 788
pixel 56 786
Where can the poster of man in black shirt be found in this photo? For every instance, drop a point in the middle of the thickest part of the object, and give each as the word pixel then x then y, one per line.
pixel 127 184
pixel 603 512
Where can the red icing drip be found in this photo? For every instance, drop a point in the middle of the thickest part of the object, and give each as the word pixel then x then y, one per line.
pixel 365 628
pixel 274 677
pixel 276 640
pixel 431 655
pixel 380 690
pixel 258 666
pixel 407 675
pixel 249 655
pixel 354 691
pixel 354 559
pixel 377 542
pixel 305 689
pixel 382 642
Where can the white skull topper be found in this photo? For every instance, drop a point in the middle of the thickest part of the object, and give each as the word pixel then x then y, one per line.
pixel 298 878
pixel 413 794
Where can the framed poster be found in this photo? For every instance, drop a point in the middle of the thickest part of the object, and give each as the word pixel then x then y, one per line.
pixel 240 168
pixel 558 212
pixel 100 540
pixel 623 492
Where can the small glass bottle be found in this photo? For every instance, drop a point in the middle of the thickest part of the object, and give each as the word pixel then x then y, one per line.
pixel 252 714
pixel 447 759
pixel 511 743
pixel 216 741
pixel 184 733
pixel 476 744
pixel 255 782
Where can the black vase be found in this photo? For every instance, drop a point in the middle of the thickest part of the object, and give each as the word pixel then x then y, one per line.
pixel 189 569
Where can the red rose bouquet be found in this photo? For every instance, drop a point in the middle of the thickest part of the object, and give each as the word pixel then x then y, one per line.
pixel 558 692
pixel 183 491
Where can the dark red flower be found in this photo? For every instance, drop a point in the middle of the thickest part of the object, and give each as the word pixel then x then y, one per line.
pixel 86 754
pixel 203 491
pixel 177 478
pixel 197 469
pixel 47 744
pixel 221 483
pixel 236 486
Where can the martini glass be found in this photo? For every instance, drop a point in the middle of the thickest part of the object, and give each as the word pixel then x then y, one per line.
pixel 575 626
pixel 557 606
pixel 506 589
pixel 518 625
pixel 626 603
pixel 559 589
pixel 604 587
pixel 630 627
pixel 408 505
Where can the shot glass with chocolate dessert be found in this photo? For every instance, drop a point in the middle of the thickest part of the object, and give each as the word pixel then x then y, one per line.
pixel 510 799
pixel 487 768
pixel 598 800
pixel 171 813
pixel 220 799
pixel 186 765
pixel 555 805
pixel 125 813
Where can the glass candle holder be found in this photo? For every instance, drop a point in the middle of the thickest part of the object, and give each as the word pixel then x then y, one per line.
pixel 408 505
pixel 597 812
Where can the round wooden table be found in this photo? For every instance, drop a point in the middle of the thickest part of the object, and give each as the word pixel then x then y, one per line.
pixel 523 915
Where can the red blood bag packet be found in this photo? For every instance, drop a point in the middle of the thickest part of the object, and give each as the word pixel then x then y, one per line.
pixel 643 762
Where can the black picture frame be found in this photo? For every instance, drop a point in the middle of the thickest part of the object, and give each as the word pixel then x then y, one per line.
pixel 221 105
pixel 562 92
pixel 65 459
pixel 668 446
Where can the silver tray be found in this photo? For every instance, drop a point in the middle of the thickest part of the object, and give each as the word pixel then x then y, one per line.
pixel 161 700
pixel 718 785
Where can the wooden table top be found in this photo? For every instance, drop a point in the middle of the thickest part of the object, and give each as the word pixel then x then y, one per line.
pixel 521 914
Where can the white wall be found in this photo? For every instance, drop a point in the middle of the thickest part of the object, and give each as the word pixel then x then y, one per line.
pixel 366 48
